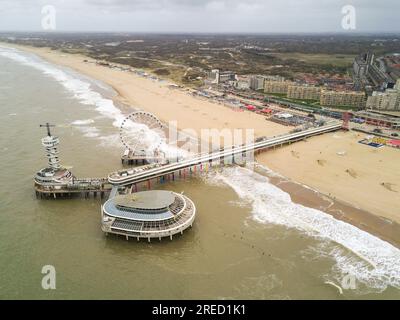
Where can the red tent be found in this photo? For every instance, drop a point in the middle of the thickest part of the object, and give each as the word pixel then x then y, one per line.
pixel 267 110
pixel 395 143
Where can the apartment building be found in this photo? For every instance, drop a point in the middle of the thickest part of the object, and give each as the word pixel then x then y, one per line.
pixel 388 100
pixel 342 98
pixel 303 92
pixel 216 76
pixel 277 86
pixel 257 82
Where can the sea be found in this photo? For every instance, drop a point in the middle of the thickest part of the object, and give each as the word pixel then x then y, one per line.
pixel 250 240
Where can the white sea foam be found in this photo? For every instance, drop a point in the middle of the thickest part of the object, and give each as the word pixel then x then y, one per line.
pixel 267 170
pixel 374 262
pixel 110 141
pixel 79 88
pixel 82 122
pixel 89 132
pixel 83 91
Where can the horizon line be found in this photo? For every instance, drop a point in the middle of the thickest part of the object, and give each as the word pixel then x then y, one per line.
pixel 208 33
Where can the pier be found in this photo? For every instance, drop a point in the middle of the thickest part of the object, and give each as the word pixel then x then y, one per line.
pixel 149 214
pixel 55 181
pixel 147 173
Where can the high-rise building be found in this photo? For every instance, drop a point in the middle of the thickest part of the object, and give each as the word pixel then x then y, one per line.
pixel 213 76
pixel 257 82
pixel 388 100
pixel 368 71
pixel 362 63
pixel 303 92
pixel 342 98
pixel 216 76
pixel 225 76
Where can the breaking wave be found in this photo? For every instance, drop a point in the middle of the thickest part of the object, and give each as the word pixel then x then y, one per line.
pixel 79 88
pixel 83 91
pixel 374 262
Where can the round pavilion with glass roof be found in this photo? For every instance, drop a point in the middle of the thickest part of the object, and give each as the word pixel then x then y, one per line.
pixel 148 214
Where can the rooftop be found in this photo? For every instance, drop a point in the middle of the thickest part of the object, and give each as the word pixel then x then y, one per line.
pixel 150 200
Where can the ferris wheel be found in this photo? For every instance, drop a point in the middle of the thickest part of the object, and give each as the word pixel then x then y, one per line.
pixel 142 133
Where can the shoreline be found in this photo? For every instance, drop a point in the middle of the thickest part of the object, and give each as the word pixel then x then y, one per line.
pixel 382 228
pixel 299 191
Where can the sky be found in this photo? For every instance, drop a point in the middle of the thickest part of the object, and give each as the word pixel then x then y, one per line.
pixel 202 16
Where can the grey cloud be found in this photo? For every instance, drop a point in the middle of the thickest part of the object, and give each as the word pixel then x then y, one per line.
pixel 305 4
pixel 201 15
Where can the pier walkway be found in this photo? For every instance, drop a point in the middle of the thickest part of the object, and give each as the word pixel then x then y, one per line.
pixel 131 177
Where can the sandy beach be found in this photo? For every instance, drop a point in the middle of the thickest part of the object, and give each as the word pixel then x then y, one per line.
pixel 334 164
pixel 340 167
pixel 166 103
